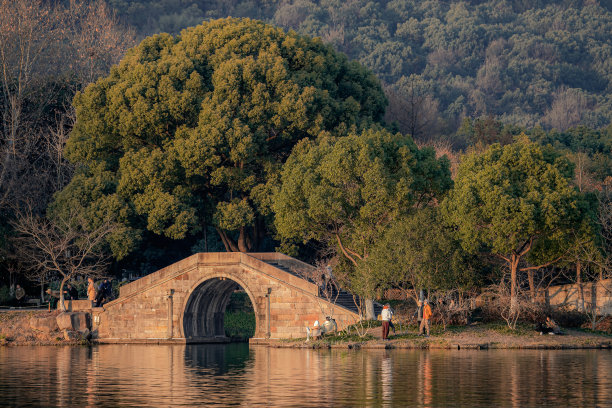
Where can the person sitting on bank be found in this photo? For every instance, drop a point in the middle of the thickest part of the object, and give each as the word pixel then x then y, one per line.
pixel 549 326
pixel 386 315
pixel 315 332
pixel 54 296
pixel 330 325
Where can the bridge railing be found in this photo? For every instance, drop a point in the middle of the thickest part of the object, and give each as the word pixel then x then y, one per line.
pixel 300 268
pixel 264 262
pixel 295 265
pixel 209 258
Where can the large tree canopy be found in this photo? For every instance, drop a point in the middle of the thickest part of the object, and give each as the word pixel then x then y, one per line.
pixel 192 129
pixel 348 191
pixel 517 202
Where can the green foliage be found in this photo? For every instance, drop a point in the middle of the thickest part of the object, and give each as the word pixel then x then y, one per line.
pixel 589 149
pixel 526 63
pixel 5 295
pixel 509 197
pixel 239 302
pixel 419 251
pixel 348 191
pixel 239 324
pixel 521 329
pixel 192 129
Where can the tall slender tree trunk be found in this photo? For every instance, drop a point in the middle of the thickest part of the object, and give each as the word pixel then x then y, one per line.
pixel 369 309
pixel 62 304
pixel 532 290
pixel 580 287
pixel 514 260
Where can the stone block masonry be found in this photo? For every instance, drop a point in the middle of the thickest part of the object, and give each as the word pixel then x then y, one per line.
pixel 185 302
pixel 581 297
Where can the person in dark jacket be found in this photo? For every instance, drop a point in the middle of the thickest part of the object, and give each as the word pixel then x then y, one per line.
pixel 70 293
pixel 104 293
pixel 19 294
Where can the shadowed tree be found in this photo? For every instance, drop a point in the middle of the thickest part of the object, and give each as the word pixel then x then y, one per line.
pixel 60 248
pixel 48 51
pixel 420 252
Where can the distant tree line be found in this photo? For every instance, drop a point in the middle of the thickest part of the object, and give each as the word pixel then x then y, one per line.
pixel 526 63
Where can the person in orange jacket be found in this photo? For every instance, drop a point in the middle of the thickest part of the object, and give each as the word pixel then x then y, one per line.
pixel 426 316
pixel 91 290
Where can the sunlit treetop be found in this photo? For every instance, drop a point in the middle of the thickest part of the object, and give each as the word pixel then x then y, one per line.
pixel 191 129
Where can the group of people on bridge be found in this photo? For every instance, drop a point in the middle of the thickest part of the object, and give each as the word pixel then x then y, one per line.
pixel 100 295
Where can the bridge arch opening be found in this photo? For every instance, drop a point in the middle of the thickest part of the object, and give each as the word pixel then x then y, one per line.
pixel 205 317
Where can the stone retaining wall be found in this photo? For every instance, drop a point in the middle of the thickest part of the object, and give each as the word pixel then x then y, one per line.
pixel 598 293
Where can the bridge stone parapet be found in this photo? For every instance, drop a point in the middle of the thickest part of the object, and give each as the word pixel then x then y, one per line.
pixel 185 302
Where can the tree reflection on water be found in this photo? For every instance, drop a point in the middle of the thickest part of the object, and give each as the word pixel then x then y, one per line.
pixel 234 374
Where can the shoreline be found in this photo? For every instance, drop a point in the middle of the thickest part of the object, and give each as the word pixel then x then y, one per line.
pixel 434 345
pixel 16 330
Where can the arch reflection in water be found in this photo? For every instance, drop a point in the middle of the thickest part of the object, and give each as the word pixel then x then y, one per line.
pixel 234 374
pixel 218 359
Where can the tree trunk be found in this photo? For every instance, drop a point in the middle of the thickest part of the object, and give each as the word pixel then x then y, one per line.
pixel 532 291
pixel 244 241
pixel 62 305
pixel 244 244
pixel 513 284
pixel 580 288
pixel 228 243
pixel 369 309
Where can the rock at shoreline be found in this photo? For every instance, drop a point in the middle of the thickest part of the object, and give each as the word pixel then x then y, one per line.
pixel 71 335
pixel 74 321
pixel 44 324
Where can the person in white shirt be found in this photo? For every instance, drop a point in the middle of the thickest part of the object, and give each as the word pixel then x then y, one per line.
pixel 386 316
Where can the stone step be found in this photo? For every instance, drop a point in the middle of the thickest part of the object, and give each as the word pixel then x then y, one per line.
pixel 344 298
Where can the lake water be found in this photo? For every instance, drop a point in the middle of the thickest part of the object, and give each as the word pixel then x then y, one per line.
pixel 239 375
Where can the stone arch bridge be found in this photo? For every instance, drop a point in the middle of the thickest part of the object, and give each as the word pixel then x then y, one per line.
pixel 185 302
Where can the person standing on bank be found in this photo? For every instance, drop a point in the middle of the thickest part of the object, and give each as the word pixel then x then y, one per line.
pixel 19 294
pixel 426 316
pixel 386 315
pixel 104 292
pixel 91 289
pixel 107 288
pixel 70 293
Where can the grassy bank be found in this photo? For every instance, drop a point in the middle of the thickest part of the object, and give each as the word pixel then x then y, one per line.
pixel 495 335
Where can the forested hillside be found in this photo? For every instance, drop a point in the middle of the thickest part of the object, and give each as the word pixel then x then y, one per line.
pixel 527 63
